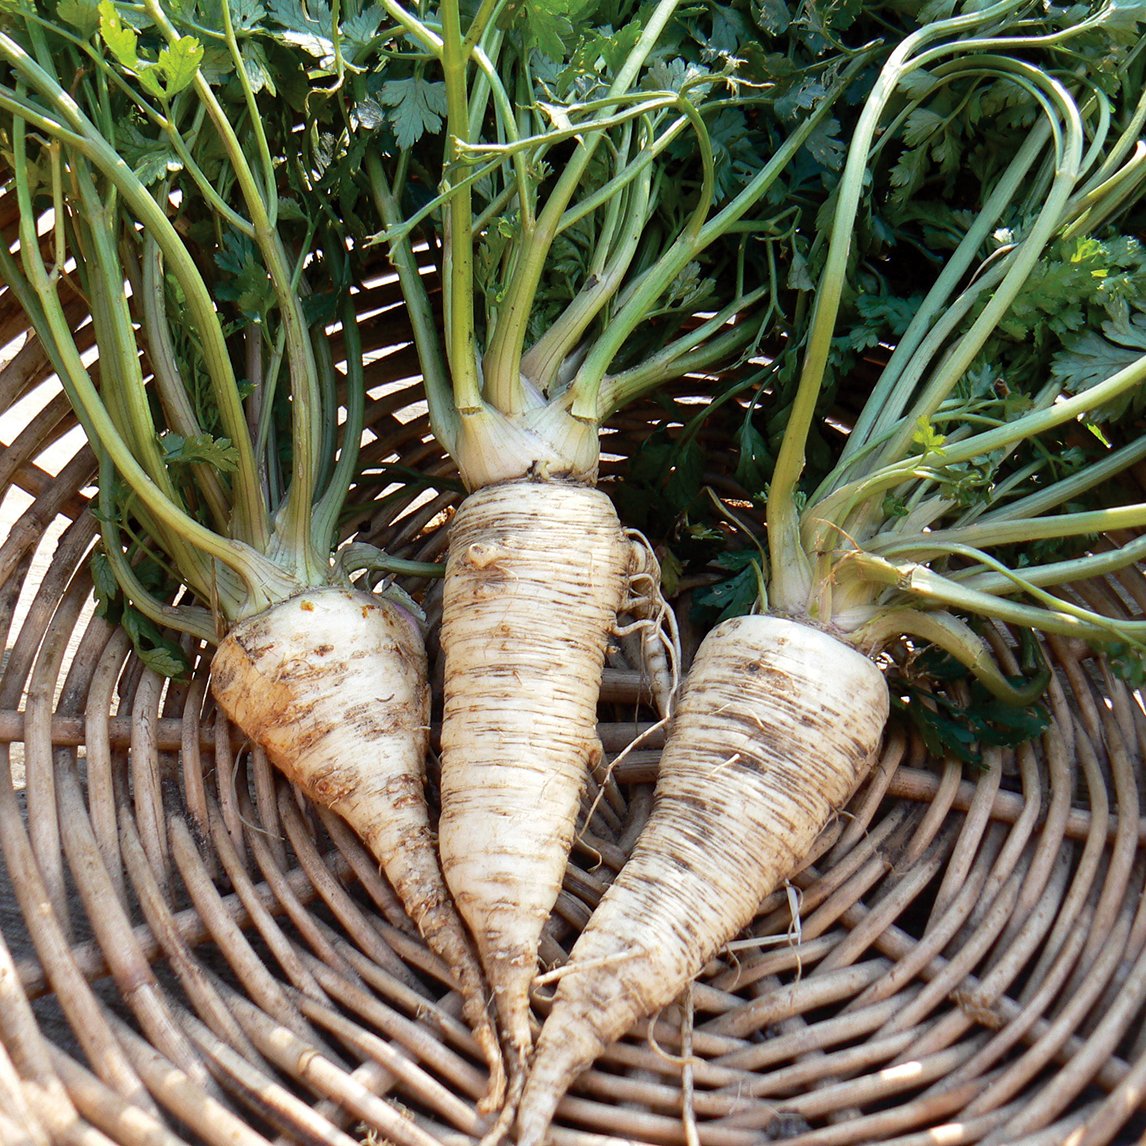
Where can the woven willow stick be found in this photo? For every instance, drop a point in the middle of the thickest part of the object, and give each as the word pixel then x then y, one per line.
pixel 295 1116
pixel 124 1123
pixel 193 978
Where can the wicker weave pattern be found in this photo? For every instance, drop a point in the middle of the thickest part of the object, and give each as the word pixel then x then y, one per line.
pixel 189 954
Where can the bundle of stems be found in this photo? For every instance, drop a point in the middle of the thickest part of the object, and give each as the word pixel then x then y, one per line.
pixel 592 248
pixel 163 211
pixel 888 544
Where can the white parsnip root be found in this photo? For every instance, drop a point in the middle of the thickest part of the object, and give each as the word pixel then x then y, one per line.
pixel 333 684
pixel 536 574
pixel 774 730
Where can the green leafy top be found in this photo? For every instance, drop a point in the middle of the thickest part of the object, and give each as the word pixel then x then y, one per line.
pixel 215 414
pixel 609 187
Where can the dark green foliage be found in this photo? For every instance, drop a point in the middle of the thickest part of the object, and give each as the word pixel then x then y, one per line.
pixel 961 728
pixel 154 646
pixel 661 482
pixel 735 596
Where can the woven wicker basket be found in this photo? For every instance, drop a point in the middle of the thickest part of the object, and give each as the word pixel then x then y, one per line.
pixel 190 954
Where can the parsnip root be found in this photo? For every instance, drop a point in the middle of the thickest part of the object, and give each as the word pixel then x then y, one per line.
pixel 537 571
pixel 773 732
pixel 333 684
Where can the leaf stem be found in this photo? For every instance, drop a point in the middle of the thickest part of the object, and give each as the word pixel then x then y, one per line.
pixel 700 233
pixel 461 340
pixel 1020 263
pixel 694 350
pixel 250 520
pixel 1015 531
pixel 444 420
pixel 1057 493
pixel 260 576
pixel 169 384
pixel 329 506
pixel 791 571
pixel 503 355
pixel 907 361
pixel 1057 615
pixel 958 639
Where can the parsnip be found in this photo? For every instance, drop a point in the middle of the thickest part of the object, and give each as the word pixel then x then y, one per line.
pixel 536 574
pixel 333 684
pixel 773 731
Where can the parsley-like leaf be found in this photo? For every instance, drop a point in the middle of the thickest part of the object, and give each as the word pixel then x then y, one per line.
pixel 359 34
pixel 754 461
pixel 308 31
pixel 736 595
pixel 246 15
pixel 83 15
pixel 121 39
pixel 926 437
pixel 200 449
pixel 150 159
pixel 104 586
pixel 157 651
pixel 250 288
pixel 1088 358
pixel 179 62
pixel 416 106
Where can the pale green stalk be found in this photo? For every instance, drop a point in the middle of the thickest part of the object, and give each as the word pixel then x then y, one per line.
pixel 444 418
pixel 1093 475
pixel 632 171
pixel 262 201
pixel 1019 266
pixel 698 235
pixel 1015 531
pixel 1058 616
pixel 506 123
pixel 1129 378
pixel 503 356
pixel 260 576
pixel 1057 572
pixel 329 506
pixel 699 348
pixel 78 133
pixel 792 573
pixel 888 396
pixel 168 383
pixel 1105 199
pixel 198 621
pixel 957 638
pixel 544 359
pixel 461 339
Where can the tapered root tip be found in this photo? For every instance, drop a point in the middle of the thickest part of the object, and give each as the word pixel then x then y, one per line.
pixel 497 1133
pixel 569 1042
pixel 495 1092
